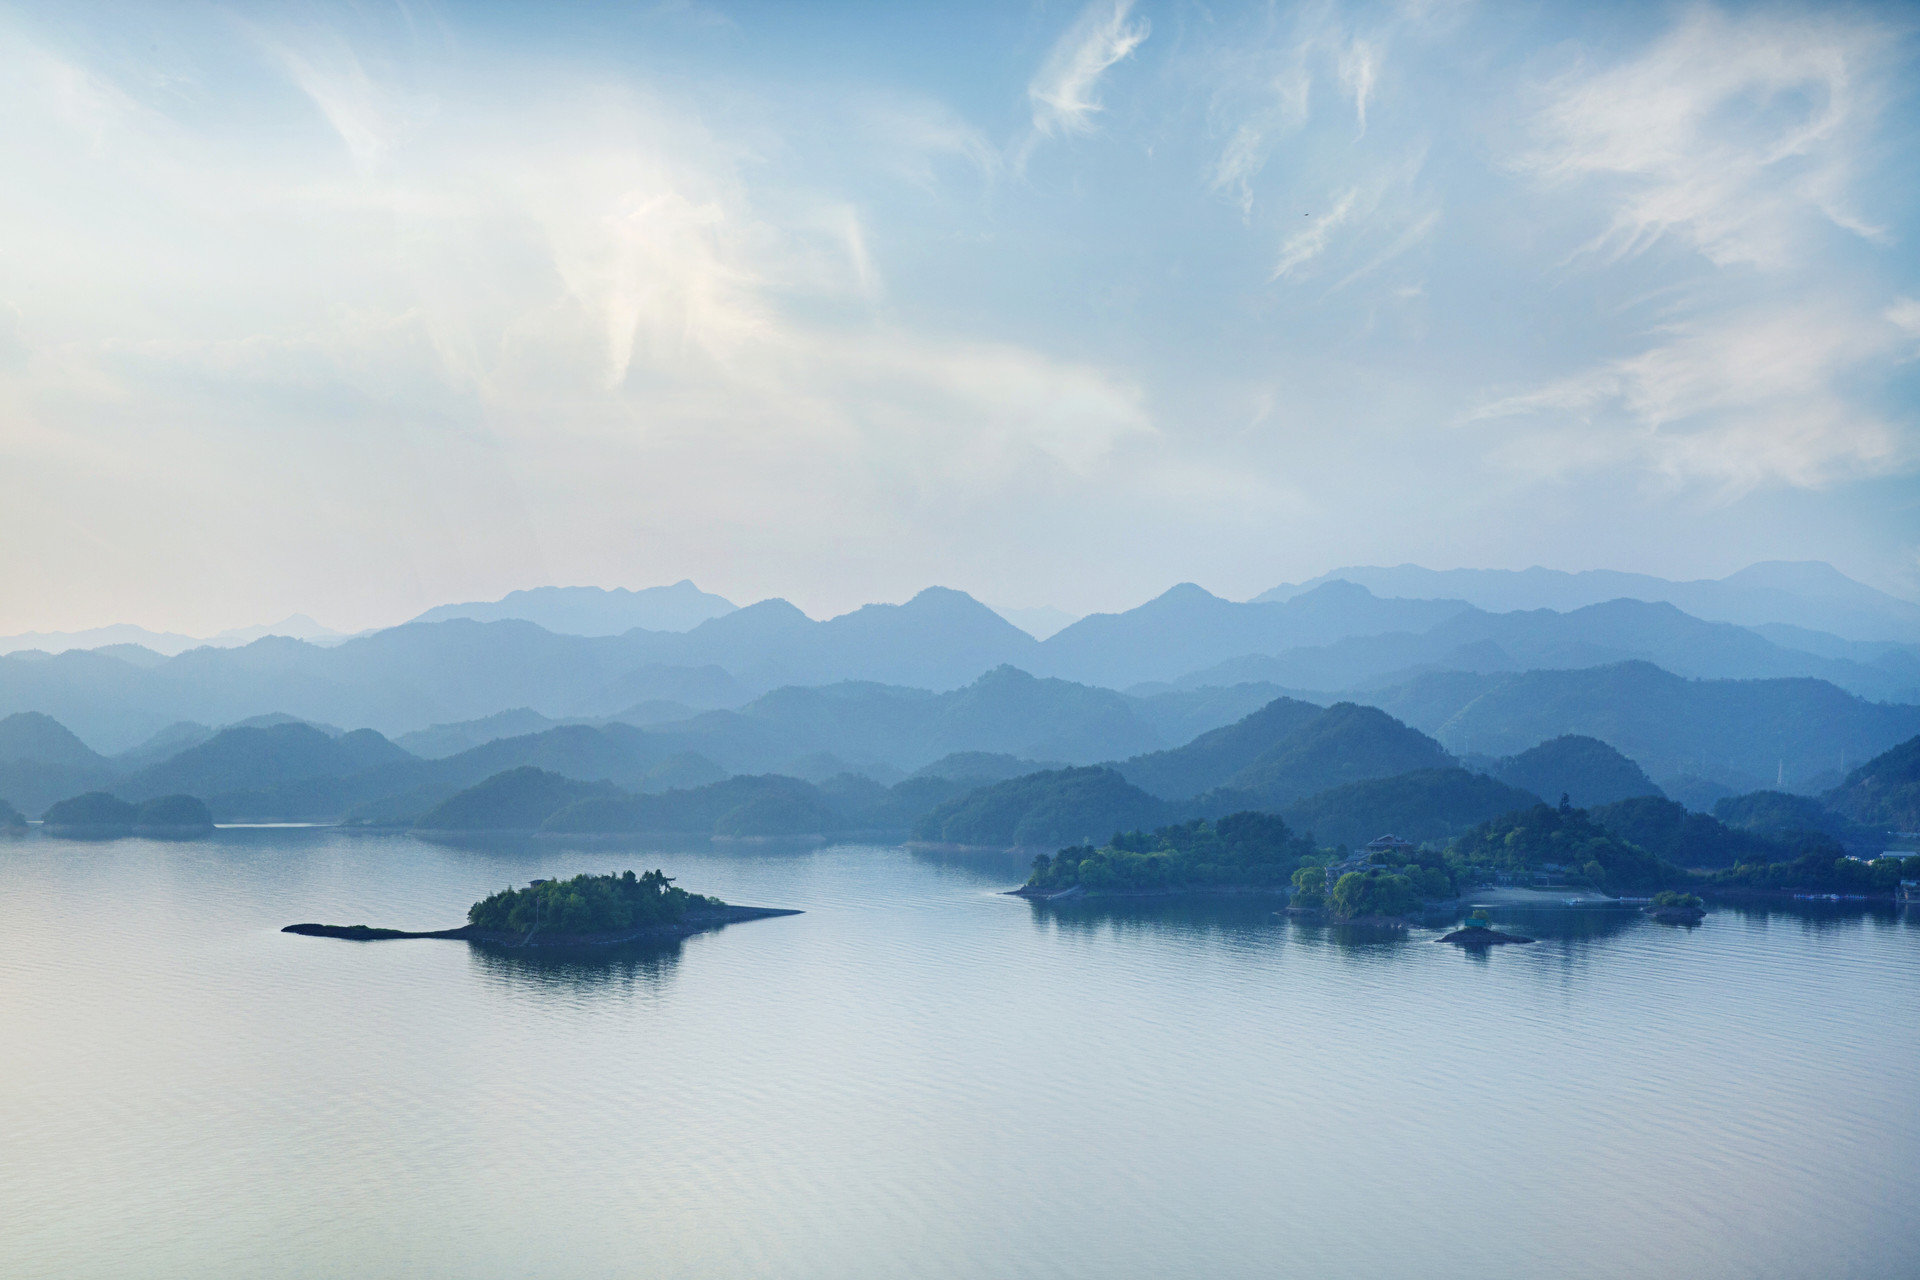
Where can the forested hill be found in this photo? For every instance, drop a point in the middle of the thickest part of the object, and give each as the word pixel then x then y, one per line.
pixel 1744 733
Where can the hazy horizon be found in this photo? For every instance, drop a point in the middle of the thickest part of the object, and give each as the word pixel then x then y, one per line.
pixel 1040 619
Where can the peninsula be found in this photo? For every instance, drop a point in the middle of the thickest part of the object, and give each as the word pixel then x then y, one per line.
pixel 586 911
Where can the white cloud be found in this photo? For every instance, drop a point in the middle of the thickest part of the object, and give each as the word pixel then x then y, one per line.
pixel 1359 68
pixel 1743 402
pixel 1729 133
pixel 360 112
pixel 1904 315
pixel 1065 92
pixel 1310 242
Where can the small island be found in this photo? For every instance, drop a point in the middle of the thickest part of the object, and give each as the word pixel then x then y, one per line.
pixel 97 815
pixel 586 911
pixel 1382 886
pixel 1677 908
pixel 1478 931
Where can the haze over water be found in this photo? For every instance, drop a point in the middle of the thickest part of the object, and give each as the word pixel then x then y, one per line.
pixel 922 1077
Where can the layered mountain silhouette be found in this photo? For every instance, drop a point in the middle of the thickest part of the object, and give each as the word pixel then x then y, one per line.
pixel 1806 594
pixel 594 611
pixel 1748 733
pixel 1337 637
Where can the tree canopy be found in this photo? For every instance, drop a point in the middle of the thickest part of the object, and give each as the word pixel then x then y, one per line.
pixel 587 904
pixel 1529 839
pixel 1242 849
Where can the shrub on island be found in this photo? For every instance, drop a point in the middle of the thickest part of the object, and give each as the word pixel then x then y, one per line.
pixel 1377 891
pixel 587 904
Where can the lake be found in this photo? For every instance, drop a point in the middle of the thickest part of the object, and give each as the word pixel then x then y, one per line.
pixel 921 1077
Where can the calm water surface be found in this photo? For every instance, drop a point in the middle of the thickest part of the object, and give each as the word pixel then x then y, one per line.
pixel 920 1077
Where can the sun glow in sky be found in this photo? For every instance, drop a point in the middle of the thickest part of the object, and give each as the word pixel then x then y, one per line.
pixel 354 309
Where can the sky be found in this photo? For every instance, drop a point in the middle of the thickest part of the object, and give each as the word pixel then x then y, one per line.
pixel 353 309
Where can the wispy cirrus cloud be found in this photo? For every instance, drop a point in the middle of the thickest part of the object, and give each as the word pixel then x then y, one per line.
pixel 1728 134
pixel 1738 402
pixel 1733 140
pixel 1311 241
pixel 1065 92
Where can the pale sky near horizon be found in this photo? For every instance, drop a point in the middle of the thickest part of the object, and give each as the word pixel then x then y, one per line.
pixel 353 309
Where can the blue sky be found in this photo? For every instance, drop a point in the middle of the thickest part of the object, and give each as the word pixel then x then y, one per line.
pixel 356 309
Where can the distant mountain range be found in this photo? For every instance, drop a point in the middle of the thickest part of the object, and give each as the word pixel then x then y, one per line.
pixel 594 611
pixel 1345 772
pixel 166 644
pixel 1339 639
pixel 1809 594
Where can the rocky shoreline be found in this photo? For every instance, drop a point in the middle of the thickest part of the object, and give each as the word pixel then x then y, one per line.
pixel 691 923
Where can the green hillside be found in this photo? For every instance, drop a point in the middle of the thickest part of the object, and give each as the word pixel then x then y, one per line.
pixel 1345 743
pixel 29 735
pixel 517 800
pixel 1667 829
pixel 1742 732
pixel 1541 837
pixel 253 759
pixel 1240 850
pixel 1425 805
pixel 746 805
pixel 1043 810
pixel 1778 814
pixel 1885 791
pixel 1584 769
pixel 1212 758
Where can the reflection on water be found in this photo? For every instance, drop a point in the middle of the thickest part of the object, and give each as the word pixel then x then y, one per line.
pixel 622 970
pixel 922 1076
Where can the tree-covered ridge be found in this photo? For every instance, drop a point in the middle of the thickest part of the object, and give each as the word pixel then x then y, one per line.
pixel 1666 829
pixel 1585 769
pixel 1042 810
pixel 10 816
pixel 1780 813
pixel 1242 849
pixel 1885 791
pixel 587 904
pixel 514 800
pixel 1345 743
pixel 1544 837
pixel 1820 869
pixel 1427 804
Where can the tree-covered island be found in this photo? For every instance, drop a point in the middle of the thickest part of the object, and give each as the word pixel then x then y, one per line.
pixel 589 904
pixel 1246 851
pixel 1557 846
pixel 1243 850
pixel 585 911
